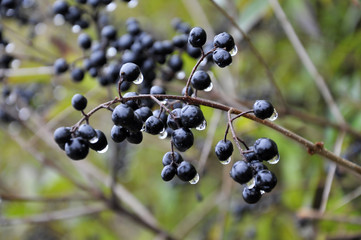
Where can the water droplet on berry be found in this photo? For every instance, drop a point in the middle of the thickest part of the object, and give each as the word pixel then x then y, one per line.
pixel 181 75
pixel 94 140
pixel 15 63
pixel 195 179
pixel 202 126
pixel 111 7
pixel 111 52
pixel 225 162
pixel 76 29
pixel 164 102
pixel 274 115
pixel 209 88
pixel 133 3
pixel 58 20
pixel 143 129
pixel 262 192
pixel 204 62
pixel 104 149
pixel 233 51
pixel 10 48
pixel 163 134
pixel 274 160
pixel 139 80
pixel 24 114
pixel 250 184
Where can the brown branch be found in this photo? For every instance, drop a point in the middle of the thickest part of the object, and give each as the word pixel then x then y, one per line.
pixel 316 215
pixel 17 198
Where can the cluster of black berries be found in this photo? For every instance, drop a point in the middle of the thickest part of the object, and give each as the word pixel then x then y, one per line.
pixel 251 172
pixel 20 10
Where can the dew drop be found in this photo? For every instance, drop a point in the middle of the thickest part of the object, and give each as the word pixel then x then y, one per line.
pixel 209 88
pixel 163 134
pixel 274 115
pixel 94 140
pixel 10 48
pixel 58 20
pixel 132 3
pixel 204 62
pixel 262 192
pixel 202 126
pixel 104 149
pixel 24 114
pixel 233 51
pixel 139 80
pixel 111 7
pixel 111 52
pixel 274 160
pixel 195 179
pixel 225 162
pixel 250 184
pixel 143 129
pixel 76 29
pixel 181 75
pixel 164 102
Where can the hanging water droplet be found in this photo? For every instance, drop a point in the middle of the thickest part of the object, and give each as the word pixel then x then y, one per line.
pixel 94 140
pixel 274 115
pixel 111 7
pixel 195 179
pixel 181 75
pixel 164 102
pixel 204 62
pixel 233 51
pixel 139 80
pixel 250 184
pixel 202 126
pixel 262 192
pixel 104 149
pixel 132 3
pixel 111 52
pixel 143 128
pixel 209 88
pixel 225 162
pixel 274 160
pixel 163 135
pixel 58 20
pixel 76 29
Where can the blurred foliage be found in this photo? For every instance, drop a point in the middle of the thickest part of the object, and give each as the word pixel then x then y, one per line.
pixel 331 33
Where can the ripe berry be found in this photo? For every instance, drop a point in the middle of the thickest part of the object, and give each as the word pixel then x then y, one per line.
pixel 194 52
pixel 191 116
pixel 118 133
pixel 201 80
pixel 129 72
pixel 182 139
pixel 60 66
pixel 257 166
pixel 180 41
pixel 77 148
pixel 153 125
pixel 197 37
pixel 79 102
pixel 224 150
pixel 102 142
pixel 132 103
pixel 173 120
pixel 168 173
pixel 171 157
pixel 222 58
pixel 265 180
pixel 135 137
pixel 123 115
pixel 77 74
pixel 252 195
pixel 98 58
pixel 60 7
pixel 175 62
pixel 263 109
pixel 109 32
pixel 224 40
pixel 162 115
pixel 155 90
pixel 62 135
pixel 125 42
pixel 144 113
pixel 186 171
pixel 86 131
pixel 241 172
pixel 251 155
pixel 265 148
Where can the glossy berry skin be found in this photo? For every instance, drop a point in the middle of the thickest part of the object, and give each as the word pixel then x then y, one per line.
pixel 136 125
pixel 186 171
pixel 265 180
pixel 263 109
pixel 77 148
pixel 109 32
pixel 182 139
pixel 175 63
pixel 129 72
pixel 123 115
pixel 173 120
pixel 241 172
pixel 168 172
pixel 135 137
pixel 98 58
pixel 251 155
pixel 144 113
pixel 101 143
pixel 86 131
pixel 77 74
pixel 180 41
pixel 222 58
pixel 201 80
pixel 224 40
pixel 197 37
pixel 155 90
pixel 265 149
pixel 118 133
pixel 79 102
pixel 153 125
pixel 191 116
pixel 170 158
pixel 62 135
pixel 252 195
pixel 60 66
pixel 257 166
pixel 224 150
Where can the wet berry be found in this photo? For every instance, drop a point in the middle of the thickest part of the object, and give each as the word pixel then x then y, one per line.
pixel 186 171
pixel 197 37
pixel 135 137
pixel 182 139
pixel 101 143
pixel 168 172
pixel 222 58
pixel 129 72
pixel 191 116
pixel 86 131
pixel 241 172
pixel 263 109
pixel 62 135
pixel 224 40
pixel 252 195
pixel 170 157
pixel 79 102
pixel 153 125
pixel 224 150
pixel 118 133
pixel 173 120
pixel 77 148
pixel 265 180
pixel 265 149
pixel 201 80
pixel 123 115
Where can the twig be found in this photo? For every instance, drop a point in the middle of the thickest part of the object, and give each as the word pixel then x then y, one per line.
pixel 17 198
pixel 316 215
pixel 349 197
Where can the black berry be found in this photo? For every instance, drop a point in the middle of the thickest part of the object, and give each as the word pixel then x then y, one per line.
pixel 77 148
pixel 191 116
pixel 172 157
pixel 265 180
pixel 79 102
pixel 118 133
pixel 224 40
pixel 265 149
pixel 222 58
pixel 197 37
pixel 224 150
pixel 201 80
pixel 129 72
pixel 182 139
pixel 168 173
pixel 153 125
pixel 186 171
pixel 241 172
pixel 252 195
pixel 263 109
